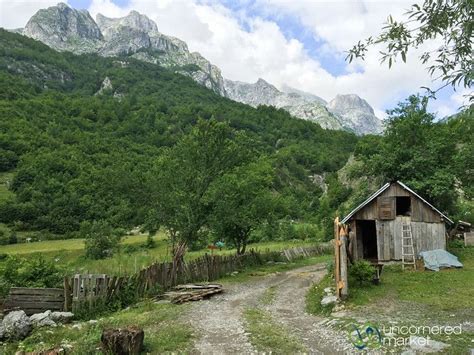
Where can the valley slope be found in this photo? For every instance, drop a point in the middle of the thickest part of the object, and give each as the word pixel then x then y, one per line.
pixel 136 36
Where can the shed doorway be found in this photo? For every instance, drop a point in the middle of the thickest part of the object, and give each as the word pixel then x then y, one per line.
pixel 368 232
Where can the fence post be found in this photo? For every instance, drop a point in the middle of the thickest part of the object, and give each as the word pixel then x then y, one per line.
pixel 67 294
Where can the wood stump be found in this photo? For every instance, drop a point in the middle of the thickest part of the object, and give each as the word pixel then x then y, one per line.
pixel 127 341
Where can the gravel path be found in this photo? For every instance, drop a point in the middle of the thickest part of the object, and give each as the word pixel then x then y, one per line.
pixel 219 322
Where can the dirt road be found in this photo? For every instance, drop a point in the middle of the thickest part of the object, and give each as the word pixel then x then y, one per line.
pixel 220 326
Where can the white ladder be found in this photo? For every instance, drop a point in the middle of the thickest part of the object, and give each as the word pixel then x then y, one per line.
pixel 408 250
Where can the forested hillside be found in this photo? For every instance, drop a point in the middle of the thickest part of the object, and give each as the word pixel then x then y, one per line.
pixel 86 138
pixel 80 149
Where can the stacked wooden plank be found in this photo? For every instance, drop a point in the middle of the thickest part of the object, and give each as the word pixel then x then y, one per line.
pixel 192 292
pixel 34 300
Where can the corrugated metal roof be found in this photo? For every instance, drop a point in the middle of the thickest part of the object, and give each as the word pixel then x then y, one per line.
pixel 382 189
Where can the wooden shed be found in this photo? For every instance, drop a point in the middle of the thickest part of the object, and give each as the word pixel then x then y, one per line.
pixel 375 226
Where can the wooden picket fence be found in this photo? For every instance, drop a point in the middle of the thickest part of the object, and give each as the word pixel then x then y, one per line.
pixel 87 290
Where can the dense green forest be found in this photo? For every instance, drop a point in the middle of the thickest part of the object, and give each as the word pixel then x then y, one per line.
pixel 131 154
pixel 79 155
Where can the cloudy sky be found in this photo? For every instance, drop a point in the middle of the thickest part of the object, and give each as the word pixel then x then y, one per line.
pixel 300 43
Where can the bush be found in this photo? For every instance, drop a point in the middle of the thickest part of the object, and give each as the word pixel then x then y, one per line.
pixel 362 271
pixel 150 242
pixel 31 272
pixel 101 241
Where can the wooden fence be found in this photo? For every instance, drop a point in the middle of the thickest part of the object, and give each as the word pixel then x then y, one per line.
pixel 87 290
pixel 469 238
pixel 34 300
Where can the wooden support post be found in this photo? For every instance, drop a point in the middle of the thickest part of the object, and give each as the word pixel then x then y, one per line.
pixel 343 262
pixel 337 257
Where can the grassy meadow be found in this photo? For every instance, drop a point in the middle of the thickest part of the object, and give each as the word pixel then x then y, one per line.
pixel 433 289
pixel 130 258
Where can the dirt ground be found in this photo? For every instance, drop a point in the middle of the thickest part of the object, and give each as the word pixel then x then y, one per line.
pixel 220 325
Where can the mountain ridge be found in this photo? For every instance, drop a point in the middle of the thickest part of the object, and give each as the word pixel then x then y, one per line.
pixel 135 35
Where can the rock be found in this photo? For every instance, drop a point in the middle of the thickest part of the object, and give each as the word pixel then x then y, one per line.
pixel 65 28
pixel 93 321
pixel 299 104
pixel 329 290
pixel 327 300
pixel 42 320
pixel 355 114
pixel 338 307
pixel 77 326
pixel 105 86
pixel 62 317
pixel 425 345
pixel 16 325
pixel 135 35
pixel 128 341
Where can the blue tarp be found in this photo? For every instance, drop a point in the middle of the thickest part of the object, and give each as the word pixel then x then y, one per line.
pixel 439 258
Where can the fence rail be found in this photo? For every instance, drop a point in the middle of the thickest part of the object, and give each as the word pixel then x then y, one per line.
pixel 89 289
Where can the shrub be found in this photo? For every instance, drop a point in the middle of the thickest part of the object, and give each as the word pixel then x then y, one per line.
pixel 101 240
pixel 362 271
pixel 31 272
pixel 12 239
pixel 150 242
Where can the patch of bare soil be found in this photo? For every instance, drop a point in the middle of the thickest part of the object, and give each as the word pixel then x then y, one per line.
pixel 219 321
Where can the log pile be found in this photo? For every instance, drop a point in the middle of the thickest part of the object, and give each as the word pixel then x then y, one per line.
pixel 192 292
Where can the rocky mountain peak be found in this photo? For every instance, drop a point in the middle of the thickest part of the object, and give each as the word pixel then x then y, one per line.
pixel 350 102
pixel 60 26
pixel 134 35
pixel 133 20
pixel 264 85
pixel 355 113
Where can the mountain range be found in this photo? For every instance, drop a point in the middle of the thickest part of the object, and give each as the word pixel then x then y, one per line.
pixel 135 35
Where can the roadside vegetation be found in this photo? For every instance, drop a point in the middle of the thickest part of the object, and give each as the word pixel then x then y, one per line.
pixel 446 290
pixel 268 336
pixel 164 331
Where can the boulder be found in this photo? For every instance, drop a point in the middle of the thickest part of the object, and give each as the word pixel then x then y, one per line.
pixel 327 300
pixel 42 320
pixel 62 317
pixel 16 325
pixel 127 341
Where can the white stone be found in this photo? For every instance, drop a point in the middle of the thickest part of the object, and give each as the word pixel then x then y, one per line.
pixel 327 300
pixel 62 317
pixel 16 325
pixel 42 320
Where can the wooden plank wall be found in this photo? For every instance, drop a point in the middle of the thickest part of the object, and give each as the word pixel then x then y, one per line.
pixel 421 212
pixel 469 238
pixel 426 236
pixel 34 300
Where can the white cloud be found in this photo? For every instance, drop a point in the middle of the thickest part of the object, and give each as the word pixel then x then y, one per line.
pixel 261 49
pixel 15 14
